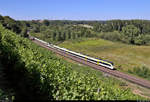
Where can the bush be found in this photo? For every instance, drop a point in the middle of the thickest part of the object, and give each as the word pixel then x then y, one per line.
pixel 147 39
pixel 141 71
pixel 113 36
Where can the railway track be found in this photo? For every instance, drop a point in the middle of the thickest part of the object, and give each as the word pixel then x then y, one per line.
pixel 139 81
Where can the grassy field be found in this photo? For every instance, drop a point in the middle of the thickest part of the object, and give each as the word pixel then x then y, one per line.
pixel 107 79
pixel 124 56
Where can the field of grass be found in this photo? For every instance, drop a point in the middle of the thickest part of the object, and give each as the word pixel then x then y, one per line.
pixel 124 56
pixel 108 80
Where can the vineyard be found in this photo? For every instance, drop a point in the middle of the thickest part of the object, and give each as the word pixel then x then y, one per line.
pixel 37 74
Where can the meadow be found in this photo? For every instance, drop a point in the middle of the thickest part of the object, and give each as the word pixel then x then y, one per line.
pixel 125 57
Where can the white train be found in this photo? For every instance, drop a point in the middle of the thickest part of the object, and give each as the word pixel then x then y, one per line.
pixel 100 62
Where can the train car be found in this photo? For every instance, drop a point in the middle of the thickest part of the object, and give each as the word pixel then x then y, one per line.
pixel 101 62
pixel 30 37
pixel 93 60
pixel 90 59
pixel 41 41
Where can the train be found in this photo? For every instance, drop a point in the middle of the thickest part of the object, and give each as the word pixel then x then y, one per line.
pixel 104 63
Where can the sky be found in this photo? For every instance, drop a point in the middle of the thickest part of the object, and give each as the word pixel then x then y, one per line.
pixel 75 9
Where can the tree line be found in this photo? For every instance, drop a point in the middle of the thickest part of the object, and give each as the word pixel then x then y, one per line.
pixel 127 31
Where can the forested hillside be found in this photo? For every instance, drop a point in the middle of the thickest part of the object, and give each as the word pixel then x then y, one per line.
pixel 135 32
pixel 127 31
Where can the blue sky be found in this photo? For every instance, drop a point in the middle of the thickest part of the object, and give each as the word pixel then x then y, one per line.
pixel 75 9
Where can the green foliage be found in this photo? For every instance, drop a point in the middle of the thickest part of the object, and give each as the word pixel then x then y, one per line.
pixel 140 40
pixel 113 36
pixel 141 71
pixel 130 35
pixel 40 72
pixel 146 39
pixel 126 31
pixel 25 32
pixel 46 22
pixel 10 24
pixel 130 31
pixel 62 33
pixel 3 95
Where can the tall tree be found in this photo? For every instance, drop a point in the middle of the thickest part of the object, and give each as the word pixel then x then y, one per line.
pixel 54 36
pixel 131 32
pixel 46 22
pixel 25 32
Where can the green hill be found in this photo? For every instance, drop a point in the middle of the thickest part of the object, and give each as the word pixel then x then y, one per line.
pixel 37 74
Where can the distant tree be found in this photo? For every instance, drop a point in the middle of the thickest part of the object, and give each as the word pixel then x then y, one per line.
pixel 59 36
pixel 83 32
pixel 11 24
pixel 47 33
pixel 73 35
pixel 46 22
pixel 1 19
pixel 69 35
pixel 42 28
pixel 139 40
pixel 131 32
pixel 88 33
pixel 54 36
pixel 146 28
pixel 113 36
pixel 25 32
pixel 64 36
pixel 27 24
pixel 146 38
pixel 36 29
